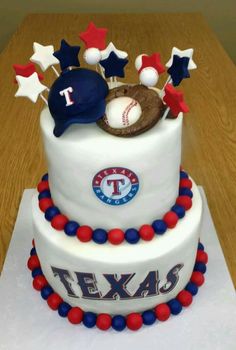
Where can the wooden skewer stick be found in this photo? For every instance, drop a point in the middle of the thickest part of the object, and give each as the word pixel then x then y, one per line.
pixel 168 81
pixel 165 113
pixel 55 71
pixel 44 99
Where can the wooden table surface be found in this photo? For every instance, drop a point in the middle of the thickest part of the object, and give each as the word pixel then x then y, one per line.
pixel 209 133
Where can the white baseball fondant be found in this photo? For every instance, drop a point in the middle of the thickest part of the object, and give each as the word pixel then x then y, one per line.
pixel 148 76
pixel 85 149
pixel 92 55
pixel 177 246
pixel 122 112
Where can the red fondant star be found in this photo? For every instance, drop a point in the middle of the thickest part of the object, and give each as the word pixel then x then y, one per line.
pixel 26 71
pixel 94 37
pixel 175 100
pixel 153 61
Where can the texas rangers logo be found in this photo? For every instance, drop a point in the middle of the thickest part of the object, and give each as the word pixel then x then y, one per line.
pixel 115 186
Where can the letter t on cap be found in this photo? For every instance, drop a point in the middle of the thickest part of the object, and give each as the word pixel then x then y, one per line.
pixel 66 92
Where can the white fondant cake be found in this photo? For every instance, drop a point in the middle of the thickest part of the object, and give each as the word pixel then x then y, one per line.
pixel 80 272
pixel 116 223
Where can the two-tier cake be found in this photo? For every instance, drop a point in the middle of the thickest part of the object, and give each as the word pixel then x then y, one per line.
pixel 116 219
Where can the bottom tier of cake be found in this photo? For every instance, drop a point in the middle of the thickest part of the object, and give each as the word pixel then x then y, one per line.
pixel 119 279
pixel 134 321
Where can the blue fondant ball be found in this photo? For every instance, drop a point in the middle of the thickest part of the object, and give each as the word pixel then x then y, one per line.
pixel 118 323
pixel 44 194
pixel 71 228
pixel 37 272
pixel 132 235
pixel 159 226
pixel 199 266
pixel 183 175
pixel 192 288
pixel 46 291
pixel 51 212
pixel 184 191
pixel 63 309
pixel 179 210
pixel 200 246
pixel 33 251
pixel 45 177
pixel 149 317
pixel 175 306
pixel 99 236
pixel 89 319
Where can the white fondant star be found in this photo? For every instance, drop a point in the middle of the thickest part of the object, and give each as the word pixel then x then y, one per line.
pixel 111 48
pixel 43 56
pixel 182 53
pixel 29 87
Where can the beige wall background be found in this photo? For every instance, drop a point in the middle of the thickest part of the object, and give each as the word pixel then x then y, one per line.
pixel 220 14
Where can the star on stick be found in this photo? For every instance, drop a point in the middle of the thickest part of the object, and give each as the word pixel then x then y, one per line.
pixel 30 87
pixel 26 70
pixel 67 55
pixel 43 56
pixel 174 99
pixel 152 61
pixel 94 37
pixel 182 53
pixel 114 66
pixel 179 69
pixel 111 48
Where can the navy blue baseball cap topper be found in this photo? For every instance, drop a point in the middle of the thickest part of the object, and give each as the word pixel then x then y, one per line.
pixel 77 96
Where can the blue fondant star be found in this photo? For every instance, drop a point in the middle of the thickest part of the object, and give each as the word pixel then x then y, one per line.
pixel 114 66
pixel 67 55
pixel 179 69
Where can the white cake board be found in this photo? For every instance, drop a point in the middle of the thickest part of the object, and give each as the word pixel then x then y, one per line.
pixel 27 323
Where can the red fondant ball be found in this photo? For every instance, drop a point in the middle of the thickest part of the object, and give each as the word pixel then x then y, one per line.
pixel 162 312
pixel 54 300
pixel 185 298
pixel 146 232
pixel 43 186
pixel 170 219
pixel 134 321
pixel 59 221
pixel 202 257
pixel 184 201
pixel 39 282
pixel 75 315
pixel 116 236
pixel 185 183
pixel 103 321
pixel 45 203
pixel 84 233
pixel 33 262
pixel 197 278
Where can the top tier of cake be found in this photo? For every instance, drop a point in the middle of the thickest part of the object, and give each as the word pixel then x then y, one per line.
pixel 151 160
